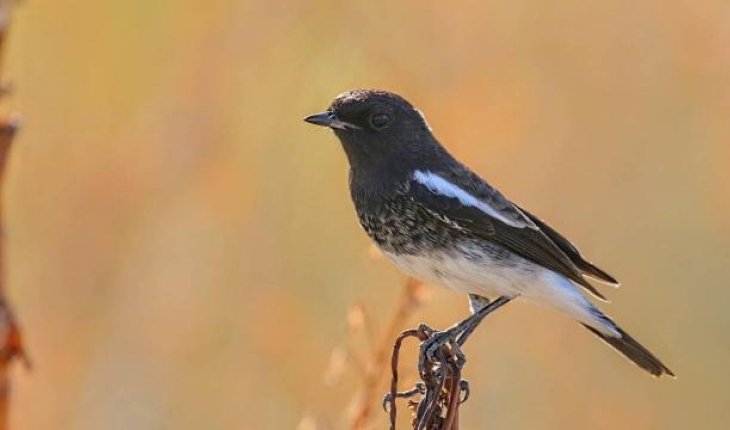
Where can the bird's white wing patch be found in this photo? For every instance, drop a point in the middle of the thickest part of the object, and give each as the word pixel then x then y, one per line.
pixel 441 186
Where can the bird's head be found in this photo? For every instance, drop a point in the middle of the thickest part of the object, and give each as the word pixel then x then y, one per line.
pixel 376 126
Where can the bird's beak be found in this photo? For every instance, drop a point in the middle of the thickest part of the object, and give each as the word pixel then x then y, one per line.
pixel 328 119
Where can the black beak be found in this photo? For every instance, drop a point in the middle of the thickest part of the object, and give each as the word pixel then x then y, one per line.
pixel 328 119
pixel 323 118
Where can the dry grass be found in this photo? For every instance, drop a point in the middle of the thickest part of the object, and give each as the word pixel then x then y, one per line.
pixel 377 365
pixel 11 346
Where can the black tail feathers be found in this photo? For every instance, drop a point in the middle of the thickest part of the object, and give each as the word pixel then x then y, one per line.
pixel 634 351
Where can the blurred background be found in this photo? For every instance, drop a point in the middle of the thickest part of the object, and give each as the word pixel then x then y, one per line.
pixel 182 252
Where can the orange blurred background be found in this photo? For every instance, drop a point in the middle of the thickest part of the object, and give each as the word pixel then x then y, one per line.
pixel 182 252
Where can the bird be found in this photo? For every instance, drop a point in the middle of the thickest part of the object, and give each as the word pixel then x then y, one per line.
pixel 440 222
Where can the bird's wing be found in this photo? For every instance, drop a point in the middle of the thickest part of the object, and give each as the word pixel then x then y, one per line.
pixel 585 266
pixel 478 209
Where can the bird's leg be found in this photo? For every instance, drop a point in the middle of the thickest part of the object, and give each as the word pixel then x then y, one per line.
pixel 457 334
pixel 468 325
pixel 476 302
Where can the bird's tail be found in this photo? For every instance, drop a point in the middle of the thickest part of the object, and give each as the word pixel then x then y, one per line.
pixel 563 295
pixel 634 351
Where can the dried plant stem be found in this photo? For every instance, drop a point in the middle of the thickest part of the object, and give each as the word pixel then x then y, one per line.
pixel 10 338
pixel 394 394
pixel 440 362
pixel 440 389
pixel 376 368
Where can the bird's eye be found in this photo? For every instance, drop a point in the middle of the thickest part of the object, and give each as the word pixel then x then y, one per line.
pixel 380 120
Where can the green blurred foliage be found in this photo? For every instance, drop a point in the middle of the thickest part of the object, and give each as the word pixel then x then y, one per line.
pixel 182 252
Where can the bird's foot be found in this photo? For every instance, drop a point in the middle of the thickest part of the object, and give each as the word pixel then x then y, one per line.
pixel 438 348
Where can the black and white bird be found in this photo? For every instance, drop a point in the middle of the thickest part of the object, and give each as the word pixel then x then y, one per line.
pixel 440 222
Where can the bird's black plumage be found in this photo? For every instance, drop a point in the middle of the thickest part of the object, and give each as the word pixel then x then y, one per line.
pixel 436 218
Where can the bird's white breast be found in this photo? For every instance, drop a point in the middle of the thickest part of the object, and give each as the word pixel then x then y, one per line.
pixel 474 270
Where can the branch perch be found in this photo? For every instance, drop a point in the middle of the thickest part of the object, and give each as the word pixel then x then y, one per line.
pixel 441 386
pixel 439 366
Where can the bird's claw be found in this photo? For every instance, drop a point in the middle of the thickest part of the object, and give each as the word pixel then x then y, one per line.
pixel 430 347
pixel 425 331
pixel 464 387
